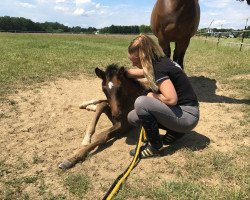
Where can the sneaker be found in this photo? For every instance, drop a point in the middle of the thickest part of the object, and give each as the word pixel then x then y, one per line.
pixel 147 151
pixel 170 137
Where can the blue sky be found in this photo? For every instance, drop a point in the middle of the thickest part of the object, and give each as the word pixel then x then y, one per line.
pixel 101 13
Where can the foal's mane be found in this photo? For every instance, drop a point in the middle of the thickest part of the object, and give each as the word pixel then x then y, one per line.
pixel 111 70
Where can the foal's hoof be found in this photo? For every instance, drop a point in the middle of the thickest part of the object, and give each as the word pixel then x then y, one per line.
pixel 86 103
pixel 83 106
pixel 66 164
pixel 91 107
pixel 85 143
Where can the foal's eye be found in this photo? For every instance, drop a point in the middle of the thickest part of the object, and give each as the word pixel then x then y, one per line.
pixel 104 87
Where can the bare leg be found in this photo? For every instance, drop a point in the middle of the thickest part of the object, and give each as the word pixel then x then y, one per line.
pixel 100 139
pixel 101 108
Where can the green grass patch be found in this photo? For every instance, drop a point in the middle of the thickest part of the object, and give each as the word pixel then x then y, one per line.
pixel 36 159
pixel 182 190
pixel 4 169
pixel 13 187
pixel 210 175
pixel 34 58
pixel 15 182
pixel 27 59
pixel 77 184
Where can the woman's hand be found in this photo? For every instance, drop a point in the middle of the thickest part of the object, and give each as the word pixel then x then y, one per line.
pixel 154 95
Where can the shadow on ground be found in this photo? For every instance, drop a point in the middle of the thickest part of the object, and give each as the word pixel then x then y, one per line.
pixel 205 89
pixel 131 139
pixel 193 141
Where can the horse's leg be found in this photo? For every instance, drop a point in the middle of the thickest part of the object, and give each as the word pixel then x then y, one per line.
pixel 101 138
pixel 85 104
pixel 101 108
pixel 180 50
pixel 176 54
pixel 165 45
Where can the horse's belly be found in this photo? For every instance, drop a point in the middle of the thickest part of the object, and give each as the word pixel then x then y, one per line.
pixel 175 23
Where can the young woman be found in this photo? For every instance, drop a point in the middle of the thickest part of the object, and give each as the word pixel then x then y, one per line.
pixel 172 105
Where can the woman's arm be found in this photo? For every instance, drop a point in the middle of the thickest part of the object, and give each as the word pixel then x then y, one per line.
pixel 135 73
pixel 168 93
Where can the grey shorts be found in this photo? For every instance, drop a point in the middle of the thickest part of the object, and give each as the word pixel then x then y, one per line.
pixel 176 118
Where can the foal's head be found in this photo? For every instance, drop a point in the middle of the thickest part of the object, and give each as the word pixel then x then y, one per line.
pixel 112 85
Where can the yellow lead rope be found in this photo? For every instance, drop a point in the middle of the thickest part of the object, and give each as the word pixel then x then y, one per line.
pixel 116 185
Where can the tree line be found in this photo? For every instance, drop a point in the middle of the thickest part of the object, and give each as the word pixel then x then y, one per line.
pixel 20 24
pixel 126 29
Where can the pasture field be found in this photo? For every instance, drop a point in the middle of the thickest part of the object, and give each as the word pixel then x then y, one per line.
pixel 43 79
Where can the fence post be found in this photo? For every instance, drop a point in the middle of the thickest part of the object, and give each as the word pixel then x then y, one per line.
pixel 242 39
pixel 209 30
pixel 218 41
pixel 243 35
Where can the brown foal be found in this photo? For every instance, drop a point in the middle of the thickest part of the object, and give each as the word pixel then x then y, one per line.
pixel 121 93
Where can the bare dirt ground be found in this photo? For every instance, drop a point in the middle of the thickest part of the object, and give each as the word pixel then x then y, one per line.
pixel 42 126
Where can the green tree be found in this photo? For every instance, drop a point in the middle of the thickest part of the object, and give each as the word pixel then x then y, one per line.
pixel 145 29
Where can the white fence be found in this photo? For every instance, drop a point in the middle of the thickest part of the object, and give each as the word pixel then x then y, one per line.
pixel 230 34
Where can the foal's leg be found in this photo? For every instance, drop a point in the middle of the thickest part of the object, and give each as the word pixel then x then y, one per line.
pixel 101 108
pixel 101 138
pixel 87 104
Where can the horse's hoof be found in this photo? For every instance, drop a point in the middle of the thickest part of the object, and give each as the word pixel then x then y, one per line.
pixel 66 164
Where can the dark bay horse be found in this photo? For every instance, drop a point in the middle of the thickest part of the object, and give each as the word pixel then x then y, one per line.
pixel 121 93
pixel 175 21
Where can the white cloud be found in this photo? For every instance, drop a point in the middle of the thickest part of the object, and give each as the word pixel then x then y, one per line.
pixel 214 14
pixel 90 12
pixel 79 11
pixel 98 5
pixel 225 13
pixel 26 5
pixel 219 23
pixel 76 7
pixel 40 1
pixel 60 1
pixel 216 3
pixel 78 2
pixel 98 13
pixel 62 8
pixel 52 1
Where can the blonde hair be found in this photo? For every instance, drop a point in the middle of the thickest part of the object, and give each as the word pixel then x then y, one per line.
pixel 148 51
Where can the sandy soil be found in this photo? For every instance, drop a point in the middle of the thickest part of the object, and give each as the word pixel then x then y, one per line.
pixel 46 123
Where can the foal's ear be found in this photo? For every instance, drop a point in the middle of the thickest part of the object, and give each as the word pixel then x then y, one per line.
pixel 100 73
pixel 121 71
